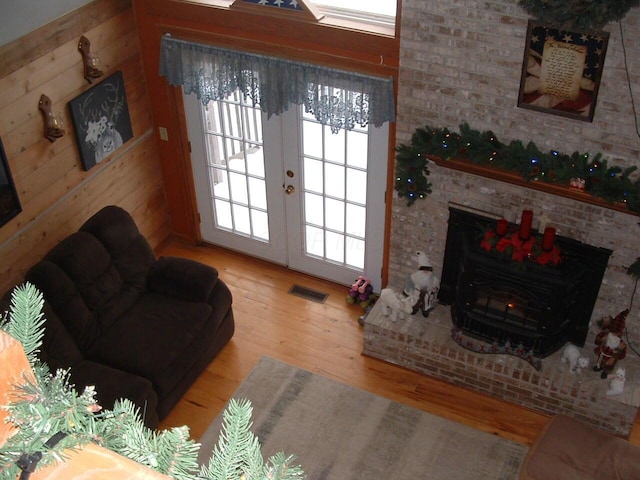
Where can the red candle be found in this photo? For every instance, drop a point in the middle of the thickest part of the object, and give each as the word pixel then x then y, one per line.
pixel 548 238
pixel 525 224
pixel 502 227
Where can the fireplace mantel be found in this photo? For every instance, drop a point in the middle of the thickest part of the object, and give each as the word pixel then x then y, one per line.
pixel 463 165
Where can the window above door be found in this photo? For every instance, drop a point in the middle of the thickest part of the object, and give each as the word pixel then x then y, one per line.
pixel 377 16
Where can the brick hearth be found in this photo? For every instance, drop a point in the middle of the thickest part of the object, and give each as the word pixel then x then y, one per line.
pixel 425 345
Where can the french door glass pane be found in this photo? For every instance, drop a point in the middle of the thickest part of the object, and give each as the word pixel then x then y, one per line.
pixel 335 192
pixel 235 159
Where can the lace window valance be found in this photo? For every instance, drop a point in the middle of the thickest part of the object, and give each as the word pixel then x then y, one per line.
pixel 335 97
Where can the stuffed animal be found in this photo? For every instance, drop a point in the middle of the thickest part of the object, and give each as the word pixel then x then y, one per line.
pixel 395 305
pixel 361 292
pixel 576 361
pixel 426 283
pixel 616 382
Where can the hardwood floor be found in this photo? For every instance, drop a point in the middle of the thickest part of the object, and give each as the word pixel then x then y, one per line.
pixel 325 339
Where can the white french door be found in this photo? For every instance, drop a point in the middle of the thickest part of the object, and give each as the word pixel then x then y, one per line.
pixel 289 190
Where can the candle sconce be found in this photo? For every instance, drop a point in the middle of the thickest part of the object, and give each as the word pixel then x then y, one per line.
pixel 52 121
pixel 91 62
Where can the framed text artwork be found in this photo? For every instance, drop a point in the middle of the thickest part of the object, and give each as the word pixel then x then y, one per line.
pixel 561 71
pixel 100 118
pixel 9 202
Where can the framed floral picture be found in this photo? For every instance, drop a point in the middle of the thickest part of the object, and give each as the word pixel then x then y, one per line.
pixel 100 118
pixel 561 71
pixel 9 202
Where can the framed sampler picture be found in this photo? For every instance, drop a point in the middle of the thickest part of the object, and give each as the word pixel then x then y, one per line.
pixel 561 71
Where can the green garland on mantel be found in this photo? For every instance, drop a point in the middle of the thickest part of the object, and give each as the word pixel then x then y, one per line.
pixel 609 183
pixel 579 14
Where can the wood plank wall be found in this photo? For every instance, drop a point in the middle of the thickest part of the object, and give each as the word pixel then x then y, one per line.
pixel 56 194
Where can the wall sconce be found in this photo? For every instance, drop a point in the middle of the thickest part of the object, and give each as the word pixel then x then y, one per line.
pixel 52 122
pixel 91 62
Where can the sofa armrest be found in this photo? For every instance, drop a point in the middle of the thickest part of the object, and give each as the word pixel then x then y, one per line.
pixel 182 278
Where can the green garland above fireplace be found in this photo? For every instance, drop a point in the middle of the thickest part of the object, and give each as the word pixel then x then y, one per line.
pixel 590 175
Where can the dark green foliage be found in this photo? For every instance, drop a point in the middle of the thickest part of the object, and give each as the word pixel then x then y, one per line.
pixel 578 14
pixel 607 182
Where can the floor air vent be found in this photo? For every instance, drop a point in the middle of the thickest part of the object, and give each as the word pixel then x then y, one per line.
pixel 309 294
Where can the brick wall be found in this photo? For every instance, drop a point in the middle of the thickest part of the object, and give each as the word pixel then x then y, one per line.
pixel 461 63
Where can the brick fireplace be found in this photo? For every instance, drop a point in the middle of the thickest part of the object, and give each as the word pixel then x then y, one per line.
pixel 528 306
pixel 462 64
pixel 425 345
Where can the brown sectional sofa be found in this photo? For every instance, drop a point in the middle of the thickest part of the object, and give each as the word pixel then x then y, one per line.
pixel 132 325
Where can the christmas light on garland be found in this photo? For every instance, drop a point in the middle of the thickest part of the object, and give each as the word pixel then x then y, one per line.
pixel 583 14
pixel 609 183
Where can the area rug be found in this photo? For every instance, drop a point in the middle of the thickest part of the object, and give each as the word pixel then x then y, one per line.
pixel 338 432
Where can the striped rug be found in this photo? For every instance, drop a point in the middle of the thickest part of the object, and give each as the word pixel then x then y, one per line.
pixel 338 432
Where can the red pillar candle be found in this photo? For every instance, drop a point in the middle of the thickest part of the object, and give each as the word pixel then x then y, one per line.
pixel 501 229
pixel 525 224
pixel 548 238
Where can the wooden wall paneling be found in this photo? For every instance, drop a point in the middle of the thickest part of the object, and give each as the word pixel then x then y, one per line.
pixel 56 194
pixel 65 58
pixel 165 114
pixel 56 175
pixel 119 183
pixel 22 51
pixel 61 81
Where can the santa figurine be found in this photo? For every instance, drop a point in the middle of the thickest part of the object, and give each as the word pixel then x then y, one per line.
pixel 609 344
pixel 426 283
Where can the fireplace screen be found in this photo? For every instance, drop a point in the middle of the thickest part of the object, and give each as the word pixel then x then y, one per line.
pixel 537 308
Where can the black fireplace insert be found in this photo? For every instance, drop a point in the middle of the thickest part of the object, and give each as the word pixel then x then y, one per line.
pixel 536 307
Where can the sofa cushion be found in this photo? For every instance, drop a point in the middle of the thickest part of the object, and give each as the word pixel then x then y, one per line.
pixel 89 267
pixel 112 384
pixel 182 278
pixel 149 338
pixel 63 297
pixel 130 252
pixel 58 350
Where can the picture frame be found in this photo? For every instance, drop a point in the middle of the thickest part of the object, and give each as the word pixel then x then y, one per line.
pixel 100 118
pixel 561 71
pixel 9 201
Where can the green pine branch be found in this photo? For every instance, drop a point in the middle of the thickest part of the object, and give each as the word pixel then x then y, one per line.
pixel 47 405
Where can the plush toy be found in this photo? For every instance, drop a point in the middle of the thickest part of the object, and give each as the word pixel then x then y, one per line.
pixel 361 292
pixel 609 344
pixel 576 361
pixel 395 305
pixel 616 382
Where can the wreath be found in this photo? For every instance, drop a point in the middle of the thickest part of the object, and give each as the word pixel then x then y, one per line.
pixel 581 14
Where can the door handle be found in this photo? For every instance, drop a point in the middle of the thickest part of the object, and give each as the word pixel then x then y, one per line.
pixel 290 189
